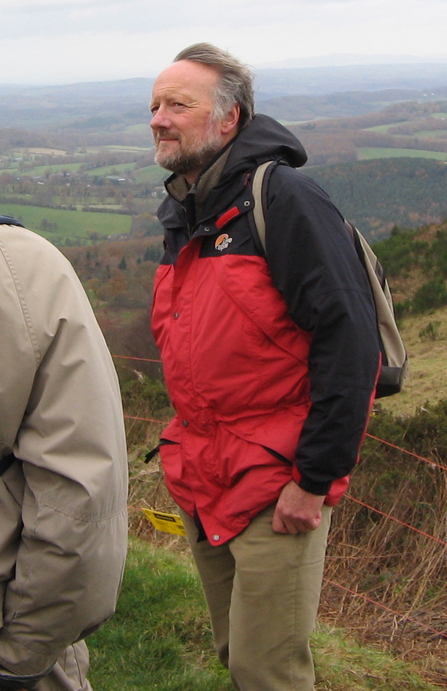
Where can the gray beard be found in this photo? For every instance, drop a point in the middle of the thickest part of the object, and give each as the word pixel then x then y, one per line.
pixel 183 163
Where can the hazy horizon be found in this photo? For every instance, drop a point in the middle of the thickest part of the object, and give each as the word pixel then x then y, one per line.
pixel 52 42
pixel 323 61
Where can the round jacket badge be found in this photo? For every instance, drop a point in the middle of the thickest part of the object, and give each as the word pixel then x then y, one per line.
pixel 222 242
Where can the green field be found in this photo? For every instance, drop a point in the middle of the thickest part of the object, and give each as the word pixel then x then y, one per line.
pixel 383 129
pixel 141 128
pixel 126 147
pixel 370 152
pixel 116 169
pixel 151 174
pixel 70 224
pixel 41 171
pixel 431 134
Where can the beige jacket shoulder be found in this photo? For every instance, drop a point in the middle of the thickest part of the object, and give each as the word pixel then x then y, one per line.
pixel 63 525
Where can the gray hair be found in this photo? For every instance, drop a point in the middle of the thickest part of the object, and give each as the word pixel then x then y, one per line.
pixel 235 83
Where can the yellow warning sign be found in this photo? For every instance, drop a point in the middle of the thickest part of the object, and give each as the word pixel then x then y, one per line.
pixel 166 522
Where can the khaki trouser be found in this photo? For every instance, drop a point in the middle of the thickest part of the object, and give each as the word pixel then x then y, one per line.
pixel 69 672
pixel 263 590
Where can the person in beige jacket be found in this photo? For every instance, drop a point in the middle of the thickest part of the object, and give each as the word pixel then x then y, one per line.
pixel 63 467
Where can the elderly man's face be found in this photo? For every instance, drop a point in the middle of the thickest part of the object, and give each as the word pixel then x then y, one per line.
pixel 186 134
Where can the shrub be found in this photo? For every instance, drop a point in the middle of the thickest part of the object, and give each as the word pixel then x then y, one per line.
pixel 431 295
pixel 430 332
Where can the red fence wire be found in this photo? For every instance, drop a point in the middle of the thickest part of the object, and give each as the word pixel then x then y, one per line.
pixel 410 453
pixel 433 464
pixel 396 520
pixel 403 617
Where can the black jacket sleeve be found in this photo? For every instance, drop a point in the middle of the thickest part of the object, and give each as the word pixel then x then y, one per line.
pixel 314 265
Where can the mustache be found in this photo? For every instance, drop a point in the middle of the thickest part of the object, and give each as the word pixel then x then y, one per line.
pixel 165 134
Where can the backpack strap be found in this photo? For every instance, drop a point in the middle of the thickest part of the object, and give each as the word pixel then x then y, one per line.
pixel 394 348
pixel 258 210
pixel 395 361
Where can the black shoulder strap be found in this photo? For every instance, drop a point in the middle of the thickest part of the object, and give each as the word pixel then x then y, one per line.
pixel 10 221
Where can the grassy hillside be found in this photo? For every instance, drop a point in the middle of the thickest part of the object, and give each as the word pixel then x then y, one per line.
pixel 368 153
pixel 66 227
pixel 416 265
pixel 425 338
pixel 368 554
pixel 160 639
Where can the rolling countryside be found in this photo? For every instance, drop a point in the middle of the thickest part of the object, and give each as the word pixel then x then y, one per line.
pixel 77 166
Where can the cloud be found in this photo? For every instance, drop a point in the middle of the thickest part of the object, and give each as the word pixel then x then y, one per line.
pixel 37 17
pixel 55 41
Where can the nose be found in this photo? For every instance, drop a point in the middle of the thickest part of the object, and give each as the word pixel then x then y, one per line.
pixel 160 119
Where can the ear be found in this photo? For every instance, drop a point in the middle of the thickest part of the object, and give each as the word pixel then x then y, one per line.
pixel 231 120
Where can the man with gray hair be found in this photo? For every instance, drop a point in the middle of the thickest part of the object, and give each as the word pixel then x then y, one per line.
pixel 270 359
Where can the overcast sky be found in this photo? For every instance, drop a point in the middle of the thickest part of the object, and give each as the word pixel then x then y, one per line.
pixel 67 41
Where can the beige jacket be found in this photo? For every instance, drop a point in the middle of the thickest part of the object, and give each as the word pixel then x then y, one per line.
pixel 63 525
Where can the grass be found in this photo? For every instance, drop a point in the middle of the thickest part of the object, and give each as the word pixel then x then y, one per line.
pixel 383 129
pixel 141 128
pixel 160 639
pixel 41 171
pixel 115 169
pixel 41 151
pixel 427 377
pixel 151 174
pixel 70 224
pixel 128 147
pixel 431 134
pixel 371 152
pixel 341 664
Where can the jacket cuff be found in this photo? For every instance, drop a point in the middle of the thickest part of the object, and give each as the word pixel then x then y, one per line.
pixel 15 683
pixel 318 488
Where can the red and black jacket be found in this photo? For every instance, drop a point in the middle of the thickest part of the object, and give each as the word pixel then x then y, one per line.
pixel 270 361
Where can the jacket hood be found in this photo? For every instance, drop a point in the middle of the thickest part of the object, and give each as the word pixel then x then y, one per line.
pixel 264 139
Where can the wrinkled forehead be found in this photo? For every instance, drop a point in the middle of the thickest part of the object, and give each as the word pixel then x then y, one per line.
pixel 186 78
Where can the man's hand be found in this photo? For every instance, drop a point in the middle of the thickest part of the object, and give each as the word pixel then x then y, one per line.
pixel 297 511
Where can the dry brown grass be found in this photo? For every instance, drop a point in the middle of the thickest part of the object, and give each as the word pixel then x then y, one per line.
pixel 402 570
pixel 147 487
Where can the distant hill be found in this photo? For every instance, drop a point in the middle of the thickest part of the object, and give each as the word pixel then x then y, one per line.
pixel 381 169
pixel 312 81
pixel 379 194
pixel 89 146
pixel 297 108
pixel 350 59
pixel 43 106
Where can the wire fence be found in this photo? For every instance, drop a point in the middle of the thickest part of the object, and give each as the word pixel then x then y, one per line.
pixel 403 617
